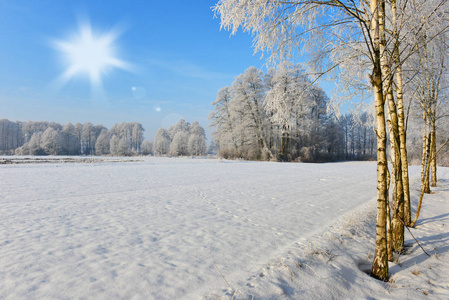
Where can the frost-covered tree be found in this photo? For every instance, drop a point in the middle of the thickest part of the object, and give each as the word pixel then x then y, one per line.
pixel 291 112
pixel 79 133
pixel 161 144
pixel 181 126
pixel 283 27
pixel 367 43
pixel 124 147
pixel 70 142
pixel 131 134
pixel 197 145
pixel 87 138
pixel 120 146
pixel 182 138
pixel 70 139
pixel 51 141
pixel 317 121
pixel 286 101
pixel 30 127
pixel 429 90
pixel 146 147
pixel 179 144
pixel 249 101
pixel 197 140
pixel 10 136
pixel 136 137
pixel 114 145
pixel 34 144
pixel 102 145
pixel 223 118
pixel 196 128
pixel 280 104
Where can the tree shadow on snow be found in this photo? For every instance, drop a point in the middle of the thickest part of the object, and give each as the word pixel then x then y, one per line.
pixel 428 243
pixel 442 185
pixel 442 217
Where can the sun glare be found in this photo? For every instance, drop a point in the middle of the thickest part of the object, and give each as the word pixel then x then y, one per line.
pixel 90 55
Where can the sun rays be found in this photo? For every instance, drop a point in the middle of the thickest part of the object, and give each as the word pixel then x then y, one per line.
pixel 89 54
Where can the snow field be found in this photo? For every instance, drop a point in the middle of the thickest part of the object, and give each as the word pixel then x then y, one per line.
pixel 186 228
pixel 334 263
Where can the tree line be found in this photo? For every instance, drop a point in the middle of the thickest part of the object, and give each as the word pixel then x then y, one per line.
pixel 180 139
pixel 282 115
pixel 50 138
pixel 124 139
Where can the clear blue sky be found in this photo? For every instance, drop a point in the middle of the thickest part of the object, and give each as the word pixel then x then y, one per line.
pixel 179 59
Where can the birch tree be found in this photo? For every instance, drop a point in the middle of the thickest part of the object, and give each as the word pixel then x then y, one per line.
pixel 429 90
pixel 359 36
pixel 281 28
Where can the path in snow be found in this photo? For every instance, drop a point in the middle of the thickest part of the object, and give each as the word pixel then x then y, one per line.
pixel 155 229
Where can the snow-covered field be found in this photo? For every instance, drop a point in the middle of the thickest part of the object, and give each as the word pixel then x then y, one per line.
pixel 166 228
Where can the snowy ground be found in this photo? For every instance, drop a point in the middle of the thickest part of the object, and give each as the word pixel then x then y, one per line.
pixel 168 228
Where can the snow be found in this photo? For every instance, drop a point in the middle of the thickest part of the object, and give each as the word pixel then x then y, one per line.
pixel 180 228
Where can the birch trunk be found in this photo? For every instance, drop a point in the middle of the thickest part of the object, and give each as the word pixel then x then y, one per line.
pixel 380 264
pixel 426 169
pixel 397 227
pixel 398 195
pixel 389 242
pixel 425 154
pixel 433 153
pixel 401 122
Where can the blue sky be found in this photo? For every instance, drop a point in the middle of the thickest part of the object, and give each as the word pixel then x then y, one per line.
pixel 179 59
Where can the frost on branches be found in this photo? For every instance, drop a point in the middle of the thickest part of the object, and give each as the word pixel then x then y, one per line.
pixel 50 138
pixel 181 139
pixel 282 115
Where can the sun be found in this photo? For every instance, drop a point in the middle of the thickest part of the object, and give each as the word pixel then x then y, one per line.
pixel 90 55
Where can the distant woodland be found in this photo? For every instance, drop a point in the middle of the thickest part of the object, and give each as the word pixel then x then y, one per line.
pixel 50 138
pixel 124 139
